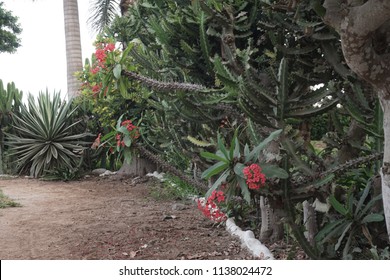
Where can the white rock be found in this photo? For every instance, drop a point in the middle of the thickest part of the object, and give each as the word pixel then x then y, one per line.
pixel 155 174
pixel 98 171
pixel 107 173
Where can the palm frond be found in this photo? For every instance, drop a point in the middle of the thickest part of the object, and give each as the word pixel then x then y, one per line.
pixel 102 13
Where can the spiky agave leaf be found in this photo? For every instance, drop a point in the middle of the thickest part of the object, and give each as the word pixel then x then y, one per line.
pixel 43 138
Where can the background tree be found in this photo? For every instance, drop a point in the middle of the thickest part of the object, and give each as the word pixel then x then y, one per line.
pixel 9 31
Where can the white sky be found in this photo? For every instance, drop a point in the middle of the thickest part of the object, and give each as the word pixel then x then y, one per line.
pixel 40 62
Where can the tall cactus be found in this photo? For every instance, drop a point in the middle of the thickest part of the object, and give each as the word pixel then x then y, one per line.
pixel 10 100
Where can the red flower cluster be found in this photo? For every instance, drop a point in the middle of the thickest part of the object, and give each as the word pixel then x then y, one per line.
pixel 131 128
pixel 100 55
pixel 96 88
pixel 129 125
pixel 119 141
pixel 210 209
pixel 254 178
pixel 102 49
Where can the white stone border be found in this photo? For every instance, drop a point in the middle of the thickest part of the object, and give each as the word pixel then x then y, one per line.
pixel 248 240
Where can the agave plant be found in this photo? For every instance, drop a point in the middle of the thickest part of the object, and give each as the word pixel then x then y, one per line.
pixel 43 138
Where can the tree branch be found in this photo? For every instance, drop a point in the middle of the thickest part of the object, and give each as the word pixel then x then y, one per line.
pixel 369 17
pixel 333 16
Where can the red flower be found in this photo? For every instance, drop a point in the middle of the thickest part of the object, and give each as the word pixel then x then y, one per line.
pixel 254 178
pixel 129 125
pixel 96 88
pixel 210 209
pixel 110 47
pixel 100 55
pixel 95 70
pixel 219 195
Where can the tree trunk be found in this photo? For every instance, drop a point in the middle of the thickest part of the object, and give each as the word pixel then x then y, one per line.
pixel 271 224
pixel 74 60
pixel 138 167
pixel 364 28
pixel 385 171
pixel 266 229
pixel 309 220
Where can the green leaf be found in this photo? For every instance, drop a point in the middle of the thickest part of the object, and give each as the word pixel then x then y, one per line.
pixel 204 43
pixel 212 156
pixel 217 183
pixel 222 148
pixel 214 169
pixel 117 71
pixel 238 168
pixel 346 229
pixel 197 142
pixel 323 234
pixel 119 122
pixel 282 89
pixel 362 198
pixel 337 205
pixel 126 52
pixel 255 152
pixel 127 140
pixel 244 189
pixel 372 218
pixel 234 147
pixel 272 171
pixel 369 206
pixel 246 151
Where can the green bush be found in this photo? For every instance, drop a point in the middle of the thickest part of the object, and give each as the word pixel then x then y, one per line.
pixel 43 140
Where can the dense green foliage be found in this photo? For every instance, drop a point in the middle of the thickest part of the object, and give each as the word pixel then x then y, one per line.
pixel 210 77
pixel 9 31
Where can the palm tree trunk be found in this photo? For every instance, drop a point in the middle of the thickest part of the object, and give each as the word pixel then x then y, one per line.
pixel 73 46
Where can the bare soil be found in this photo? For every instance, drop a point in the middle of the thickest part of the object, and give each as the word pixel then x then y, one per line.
pixel 106 218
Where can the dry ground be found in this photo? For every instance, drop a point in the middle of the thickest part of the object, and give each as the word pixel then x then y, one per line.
pixel 105 218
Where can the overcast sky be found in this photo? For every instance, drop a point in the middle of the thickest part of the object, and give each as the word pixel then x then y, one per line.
pixel 40 62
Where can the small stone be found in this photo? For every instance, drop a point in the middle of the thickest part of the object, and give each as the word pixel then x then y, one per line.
pixel 98 171
pixel 169 217
pixel 179 207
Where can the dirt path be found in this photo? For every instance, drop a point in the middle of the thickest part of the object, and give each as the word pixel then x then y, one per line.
pixel 105 218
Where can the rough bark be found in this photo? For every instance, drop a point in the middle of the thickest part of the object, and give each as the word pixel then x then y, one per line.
pixel 271 224
pixel 138 167
pixel 266 229
pixel 356 135
pixel 309 220
pixel 125 5
pixel 74 60
pixel 365 36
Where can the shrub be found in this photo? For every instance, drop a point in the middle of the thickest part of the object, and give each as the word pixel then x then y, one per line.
pixel 43 140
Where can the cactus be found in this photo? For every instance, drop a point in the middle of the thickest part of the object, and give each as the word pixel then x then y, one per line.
pixel 10 100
